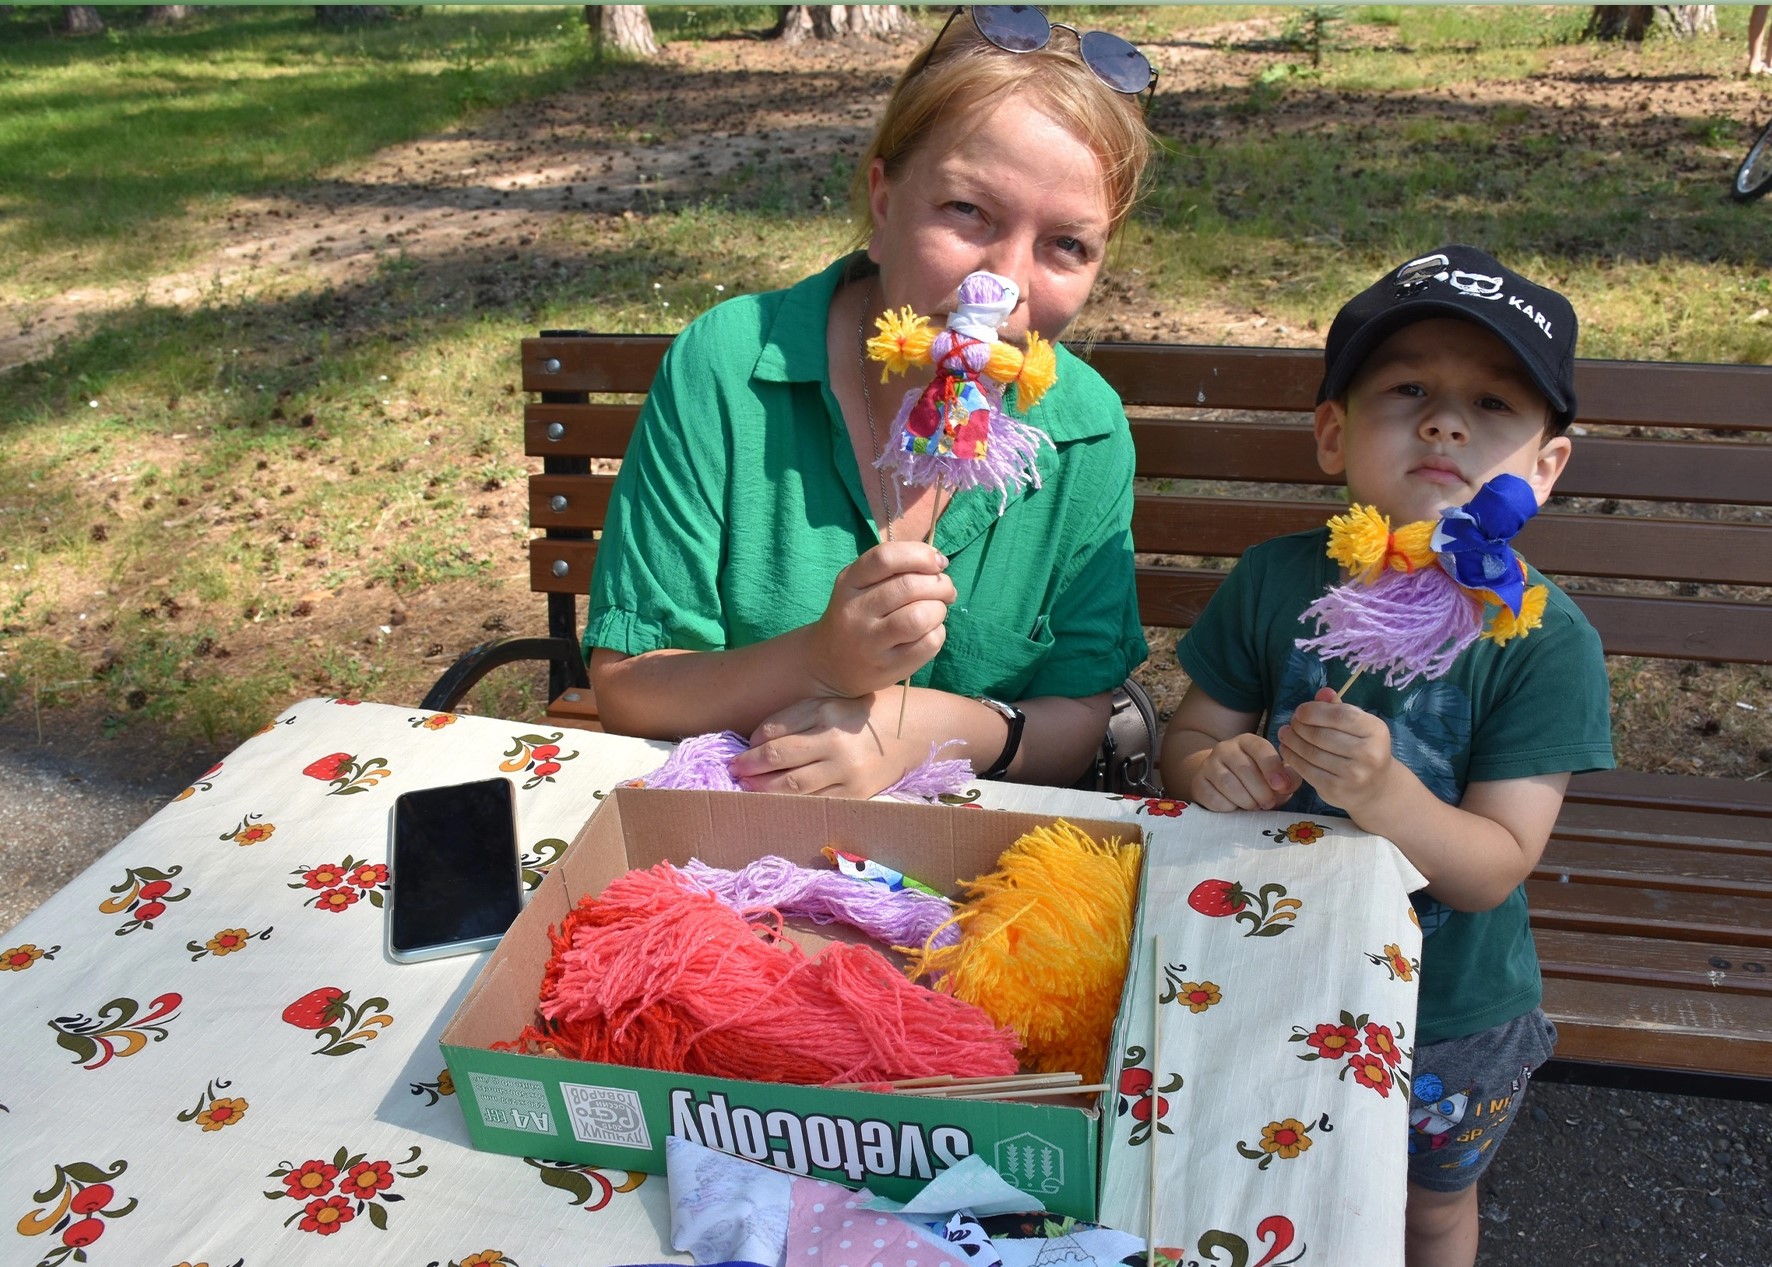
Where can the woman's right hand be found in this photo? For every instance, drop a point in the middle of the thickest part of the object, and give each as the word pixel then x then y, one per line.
pixel 884 620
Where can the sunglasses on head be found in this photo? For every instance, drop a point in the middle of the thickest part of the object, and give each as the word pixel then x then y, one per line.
pixel 1021 28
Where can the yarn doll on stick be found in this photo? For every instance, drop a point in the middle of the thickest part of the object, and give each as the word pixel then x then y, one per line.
pixel 956 433
pixel 1417 596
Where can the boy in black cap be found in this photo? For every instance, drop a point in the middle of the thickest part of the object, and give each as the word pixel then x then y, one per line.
pixel 1447 372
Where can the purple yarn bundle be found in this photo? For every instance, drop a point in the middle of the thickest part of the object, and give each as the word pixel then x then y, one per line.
pixel 1405 624
pixel 904 918
pixel 700 763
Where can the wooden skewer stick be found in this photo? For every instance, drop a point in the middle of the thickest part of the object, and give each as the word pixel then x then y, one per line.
pixel 945 1080
pixel 1033 1093
pixel 1156 1101
pixel 904 694
pixel 1345 685
pixel 1022 1082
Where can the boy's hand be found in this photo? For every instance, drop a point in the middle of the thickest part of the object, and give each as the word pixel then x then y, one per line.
pixel 884 620
pixel 1342 751
pixel 1243 772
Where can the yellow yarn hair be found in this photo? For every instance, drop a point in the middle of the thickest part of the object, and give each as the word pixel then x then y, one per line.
pixel 903 341
pixel 1362 542
pixel 1039 370
pixel 1505 625
pixel 1043 946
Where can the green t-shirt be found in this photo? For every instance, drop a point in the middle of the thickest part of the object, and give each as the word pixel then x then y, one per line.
pixel 1539 705
pixel 740 500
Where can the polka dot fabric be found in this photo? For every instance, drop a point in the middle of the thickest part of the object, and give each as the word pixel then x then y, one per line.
pixel 828 1228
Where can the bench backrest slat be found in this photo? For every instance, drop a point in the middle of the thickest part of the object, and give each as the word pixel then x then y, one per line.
pixel 1188 453
pixel 1631 469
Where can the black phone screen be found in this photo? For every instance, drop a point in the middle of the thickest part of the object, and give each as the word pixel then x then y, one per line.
pixel 456 874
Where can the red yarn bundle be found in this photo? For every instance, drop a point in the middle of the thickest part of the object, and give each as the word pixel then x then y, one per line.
pixel 654 975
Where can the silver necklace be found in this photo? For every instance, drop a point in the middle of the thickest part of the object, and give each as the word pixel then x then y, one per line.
pixel 867 403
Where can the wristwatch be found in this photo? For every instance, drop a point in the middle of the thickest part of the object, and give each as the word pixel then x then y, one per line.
pixel 1016 719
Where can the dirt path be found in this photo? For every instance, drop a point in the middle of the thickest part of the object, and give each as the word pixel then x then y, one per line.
pixel 683 129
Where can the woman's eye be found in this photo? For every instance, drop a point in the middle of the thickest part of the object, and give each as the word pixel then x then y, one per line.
pixel 1072 246
pixel 963 208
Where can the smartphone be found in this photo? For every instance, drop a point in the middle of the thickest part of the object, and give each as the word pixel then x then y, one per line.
pixel 455 880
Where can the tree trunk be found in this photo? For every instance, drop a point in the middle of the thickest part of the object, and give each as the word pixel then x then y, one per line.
pixel 81 19
pixel 839 21
pixel 1632 21
pixel 166 14
pixel 623 27
pixel 339 16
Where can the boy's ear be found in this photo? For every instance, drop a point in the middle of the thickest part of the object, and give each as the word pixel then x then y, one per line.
pixel 1553 456
pixel 1330 426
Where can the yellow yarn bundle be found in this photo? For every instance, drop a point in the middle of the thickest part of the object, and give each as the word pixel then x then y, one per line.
pixel 1043 945
pixel 1361 541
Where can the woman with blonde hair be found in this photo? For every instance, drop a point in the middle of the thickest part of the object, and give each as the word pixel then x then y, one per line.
pixel 761 573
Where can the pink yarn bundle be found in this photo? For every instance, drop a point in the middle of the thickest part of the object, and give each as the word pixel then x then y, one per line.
pixel 902 918
pixel 701 763
pixel 652 974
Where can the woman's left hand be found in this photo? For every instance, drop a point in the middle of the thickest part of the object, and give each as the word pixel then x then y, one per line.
pixel 829 746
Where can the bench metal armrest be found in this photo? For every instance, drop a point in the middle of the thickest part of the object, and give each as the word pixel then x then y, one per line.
pixel 563 655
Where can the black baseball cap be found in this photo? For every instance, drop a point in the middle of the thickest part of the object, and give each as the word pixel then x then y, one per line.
pixel 1538 324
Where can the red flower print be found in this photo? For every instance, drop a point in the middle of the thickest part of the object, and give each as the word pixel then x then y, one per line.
pixel 547 752
pixel 368 875
pixel 315 1010
pixel 546 768
pixel 1370 1071
pixel 1162 806
pixel 310 1179
pixel 83 1233
pixel 149 910
pixel 1135 1081
pixel 335 900
pixel 326 768
pixel 1218 898
pixel 1334 1041
pixel 326 1217
pixel 324 876
pixel 155 889
pixel 1382 1043
pixel 367 1178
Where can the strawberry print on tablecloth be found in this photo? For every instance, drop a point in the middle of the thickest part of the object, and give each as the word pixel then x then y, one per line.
pixel 342 1026
pixel 347 774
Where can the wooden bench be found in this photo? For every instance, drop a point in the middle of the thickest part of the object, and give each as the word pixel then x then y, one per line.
pixel 1652 907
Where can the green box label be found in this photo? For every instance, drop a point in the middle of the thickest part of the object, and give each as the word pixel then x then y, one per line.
pixel 513 1104
pixel 1034 1165
pixel 606 1115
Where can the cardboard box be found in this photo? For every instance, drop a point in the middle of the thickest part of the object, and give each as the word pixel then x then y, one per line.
pixel 618 1116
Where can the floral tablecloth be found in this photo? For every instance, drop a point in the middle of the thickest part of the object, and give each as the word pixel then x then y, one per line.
pixel 171 1090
